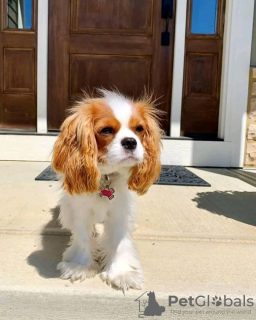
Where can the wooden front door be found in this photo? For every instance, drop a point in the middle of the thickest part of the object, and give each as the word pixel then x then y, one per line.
pixel 202 70
pixel 18 56
pixel 107 43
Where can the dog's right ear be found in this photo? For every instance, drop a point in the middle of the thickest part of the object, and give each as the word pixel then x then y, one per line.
pixel 75 153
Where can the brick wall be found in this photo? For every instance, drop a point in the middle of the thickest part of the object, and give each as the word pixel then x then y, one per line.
pixel 250 149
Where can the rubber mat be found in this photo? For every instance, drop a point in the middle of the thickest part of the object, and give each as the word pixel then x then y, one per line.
pixel 170 175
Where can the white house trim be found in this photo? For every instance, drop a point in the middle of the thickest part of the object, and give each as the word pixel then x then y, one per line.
pixel 42 66
pixel 175 152
pixel 233 104
pixel 26 147
pixel 178 67
pixel 225 69
pixel 235 76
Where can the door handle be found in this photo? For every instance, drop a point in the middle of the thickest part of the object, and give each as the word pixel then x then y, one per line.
pixel 167 9
pixel 167 13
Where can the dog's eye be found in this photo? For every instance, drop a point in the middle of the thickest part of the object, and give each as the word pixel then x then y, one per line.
pixel 139 129
pixel 107 131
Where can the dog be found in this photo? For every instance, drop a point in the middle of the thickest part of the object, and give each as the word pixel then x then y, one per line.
pixel 108 148
pixel 153 308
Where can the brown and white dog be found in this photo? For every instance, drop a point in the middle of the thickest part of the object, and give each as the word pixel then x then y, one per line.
pixel 108 146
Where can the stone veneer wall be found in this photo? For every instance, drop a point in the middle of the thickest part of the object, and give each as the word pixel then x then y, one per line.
pixel 250 149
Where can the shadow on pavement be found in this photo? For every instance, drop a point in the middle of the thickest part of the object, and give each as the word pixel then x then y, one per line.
pixel 46 259
pixel 237 205
pixel 246 176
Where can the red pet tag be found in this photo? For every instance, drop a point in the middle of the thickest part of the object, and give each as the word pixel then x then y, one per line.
pixel 107 192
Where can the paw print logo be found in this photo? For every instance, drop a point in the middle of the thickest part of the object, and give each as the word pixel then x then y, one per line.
pixel 216 301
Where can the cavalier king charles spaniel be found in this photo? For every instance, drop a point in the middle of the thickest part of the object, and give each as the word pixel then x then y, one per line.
pixel 108 146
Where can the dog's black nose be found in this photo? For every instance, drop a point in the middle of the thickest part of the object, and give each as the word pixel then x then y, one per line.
pixel 129 143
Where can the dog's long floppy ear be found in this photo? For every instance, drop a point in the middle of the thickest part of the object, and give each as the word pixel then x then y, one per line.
pixel 75 154
pixel 145 174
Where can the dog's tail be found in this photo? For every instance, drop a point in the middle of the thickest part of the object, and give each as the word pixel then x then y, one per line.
pixel 162 309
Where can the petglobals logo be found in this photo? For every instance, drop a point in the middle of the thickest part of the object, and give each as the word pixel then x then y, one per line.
pixel 148 305
pixel 207 301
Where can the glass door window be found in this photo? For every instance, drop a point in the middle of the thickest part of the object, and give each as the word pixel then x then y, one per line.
pixel 19 14
pixel 204 17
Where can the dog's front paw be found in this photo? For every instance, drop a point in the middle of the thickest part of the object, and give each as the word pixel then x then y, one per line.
pixel 123 279
pixel 74 271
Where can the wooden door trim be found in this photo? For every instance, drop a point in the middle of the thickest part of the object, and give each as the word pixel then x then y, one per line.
pixel 159 67
pixel 56 66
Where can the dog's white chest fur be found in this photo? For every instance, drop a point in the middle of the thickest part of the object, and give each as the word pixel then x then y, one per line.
pixel 101 209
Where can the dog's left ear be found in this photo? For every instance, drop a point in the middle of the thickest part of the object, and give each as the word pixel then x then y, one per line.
pixel 75 153
pixel 145 174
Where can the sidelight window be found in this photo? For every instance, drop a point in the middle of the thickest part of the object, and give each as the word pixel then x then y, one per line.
pixel 19 14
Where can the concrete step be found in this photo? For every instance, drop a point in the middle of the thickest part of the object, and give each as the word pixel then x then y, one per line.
pixel 30 287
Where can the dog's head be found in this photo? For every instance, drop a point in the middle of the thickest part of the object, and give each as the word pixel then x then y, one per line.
pixel 151 294
pixel 112 131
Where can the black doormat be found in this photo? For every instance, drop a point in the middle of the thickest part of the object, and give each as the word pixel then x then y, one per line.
pixel 47 175
pixel 178 175
pixel 170 175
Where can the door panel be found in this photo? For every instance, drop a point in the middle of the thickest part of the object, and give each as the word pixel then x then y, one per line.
pixel 19 77
pixel 202 69
pixel 201 80
pixel 118 16
pixel 18 111
pixel 86 69
pixel 18 42
pixel 105 44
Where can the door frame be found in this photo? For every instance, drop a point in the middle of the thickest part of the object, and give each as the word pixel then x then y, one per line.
pixel 233 100
pixel 42 66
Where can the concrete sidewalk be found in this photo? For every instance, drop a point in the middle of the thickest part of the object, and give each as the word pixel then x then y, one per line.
pixel 192 241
